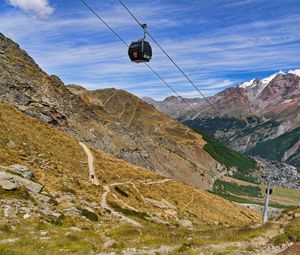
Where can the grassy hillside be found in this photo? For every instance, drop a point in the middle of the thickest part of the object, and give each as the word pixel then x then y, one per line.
pixel 274 149
pixel 160 143
pixel 253 191
pixel 60 164
pixel 110 120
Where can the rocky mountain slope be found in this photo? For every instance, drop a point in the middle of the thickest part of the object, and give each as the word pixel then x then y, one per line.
pixel 173 150
pixel 110 120
pixel 258 116
pixel 47 199
pixel 58 196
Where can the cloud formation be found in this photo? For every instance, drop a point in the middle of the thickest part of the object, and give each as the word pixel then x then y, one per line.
pixel 40 7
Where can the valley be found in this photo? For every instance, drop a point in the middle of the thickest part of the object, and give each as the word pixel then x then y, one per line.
pixel 260 117
pixel 103 172
pixel 72 210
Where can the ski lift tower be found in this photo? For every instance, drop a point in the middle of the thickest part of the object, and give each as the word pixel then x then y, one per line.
pixel 266 208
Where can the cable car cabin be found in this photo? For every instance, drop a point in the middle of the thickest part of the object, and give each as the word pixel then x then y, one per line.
pixel 140 51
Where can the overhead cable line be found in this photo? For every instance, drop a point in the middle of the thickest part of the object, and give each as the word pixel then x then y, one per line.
pixel 171 59
pixel 124 42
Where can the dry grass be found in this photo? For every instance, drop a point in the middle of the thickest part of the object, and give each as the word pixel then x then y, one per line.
pixel 60 164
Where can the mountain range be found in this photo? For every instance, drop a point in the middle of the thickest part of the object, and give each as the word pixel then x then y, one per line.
pixel 103 172
pixel 111 120
pixel 259 117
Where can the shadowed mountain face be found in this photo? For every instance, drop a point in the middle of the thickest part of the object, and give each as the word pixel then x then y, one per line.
pixel 253 117
pixel 111 120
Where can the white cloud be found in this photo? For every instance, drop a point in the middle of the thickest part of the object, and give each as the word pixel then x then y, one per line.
pixel 82 50
pixel 40 7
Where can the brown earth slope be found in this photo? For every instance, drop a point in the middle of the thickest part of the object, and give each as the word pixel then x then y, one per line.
pixel 110 120
pixel 173 149
pixel 60 164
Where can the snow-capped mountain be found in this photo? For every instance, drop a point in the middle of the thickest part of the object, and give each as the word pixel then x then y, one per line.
pixel 256 112
pixel 296 72
pixel 266 80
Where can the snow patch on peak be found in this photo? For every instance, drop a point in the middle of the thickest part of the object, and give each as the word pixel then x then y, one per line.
pixel 264 81
pixel 296 72
pixel 267 80
pixel 246 84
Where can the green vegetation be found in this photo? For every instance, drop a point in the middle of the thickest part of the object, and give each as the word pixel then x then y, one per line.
pixel 274 149
pixel 291 233
pixel 128 212
pixel 213 125
pixel 281 197
pixel 286 196
pixel 19 193
pixel 121 191
pixel 245 178
pixel 227 156
pixel 90 215
pixel 238 199
pixel 259 126
pixel 62 240
pixel 233 198
pixel 253 191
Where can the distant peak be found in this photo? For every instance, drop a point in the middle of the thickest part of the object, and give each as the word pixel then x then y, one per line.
pixel 171 98
pixel 148 98
pixel 265 80
pixel 271 77
pixel 75 86
pixel 295 72
pixel 247 84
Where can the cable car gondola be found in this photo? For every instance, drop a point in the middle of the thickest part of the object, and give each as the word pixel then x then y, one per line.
pixel 141 50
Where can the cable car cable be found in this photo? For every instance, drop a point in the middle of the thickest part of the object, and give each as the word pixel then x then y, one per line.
pixel 181 98
pixel 183 73
pixel 124 42
pixel 104 22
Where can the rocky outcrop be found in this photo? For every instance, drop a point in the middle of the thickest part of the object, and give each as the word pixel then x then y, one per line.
pixel 111 120
pixel 23 171
pixel 10 181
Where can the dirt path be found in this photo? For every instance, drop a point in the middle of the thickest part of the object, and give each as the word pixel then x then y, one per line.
pixel 92 176
pixel 110 97
pixel 107 190
pixel 104 204
pixel 256 246
pixel 154 182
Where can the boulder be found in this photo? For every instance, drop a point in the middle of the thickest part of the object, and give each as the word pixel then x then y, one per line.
pixel 41 198
pixel 185 223
pixel 11 144
pixel 10 240
pixel 21 170
pixel 108 243
pixel 27 216
pixel 9 212
pixel 75 229
pixel 9 184
pixel 30 185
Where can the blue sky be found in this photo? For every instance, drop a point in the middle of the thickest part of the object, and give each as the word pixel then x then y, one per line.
pixel 218 43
